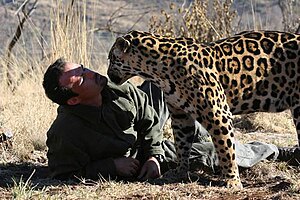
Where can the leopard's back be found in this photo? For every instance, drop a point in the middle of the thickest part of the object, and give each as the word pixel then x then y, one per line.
pixel 259 70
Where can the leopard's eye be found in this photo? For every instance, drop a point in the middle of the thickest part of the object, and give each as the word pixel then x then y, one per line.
pixel 112 57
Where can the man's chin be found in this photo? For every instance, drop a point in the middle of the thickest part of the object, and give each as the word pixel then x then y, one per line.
pixel 103 80
pixel 103 83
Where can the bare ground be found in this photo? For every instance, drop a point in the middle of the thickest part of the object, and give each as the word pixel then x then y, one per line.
pixel 28 179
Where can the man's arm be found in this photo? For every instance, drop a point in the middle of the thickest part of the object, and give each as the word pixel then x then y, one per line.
pixel 148 127
pixel 67 159
pixel 147 124
pixel 75 149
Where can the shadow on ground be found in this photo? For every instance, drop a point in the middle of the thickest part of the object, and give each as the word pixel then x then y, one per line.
pixel 38 175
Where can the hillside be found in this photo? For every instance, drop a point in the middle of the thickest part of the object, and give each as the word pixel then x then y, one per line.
pixel 109 18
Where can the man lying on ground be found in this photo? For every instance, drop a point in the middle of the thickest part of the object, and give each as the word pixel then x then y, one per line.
pixel 110 131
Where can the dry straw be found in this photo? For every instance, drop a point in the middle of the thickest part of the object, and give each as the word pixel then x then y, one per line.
pixel 25 111
pixel 203 20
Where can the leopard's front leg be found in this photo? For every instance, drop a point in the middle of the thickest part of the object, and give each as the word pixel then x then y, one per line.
pixel 214 114
pixel 219 125
pixel 183 126
pixel 223 139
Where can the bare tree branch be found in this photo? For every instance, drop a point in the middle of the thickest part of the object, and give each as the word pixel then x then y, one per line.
pixel 17 36
pixel 22 6
pixel 118 14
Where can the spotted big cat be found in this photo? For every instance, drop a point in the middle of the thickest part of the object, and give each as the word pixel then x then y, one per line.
pixel 254 71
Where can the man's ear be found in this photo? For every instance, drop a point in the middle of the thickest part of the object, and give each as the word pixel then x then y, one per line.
pixel 73 101
pixel 121 46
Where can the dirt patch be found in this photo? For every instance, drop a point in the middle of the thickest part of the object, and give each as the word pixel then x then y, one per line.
pixel 266 180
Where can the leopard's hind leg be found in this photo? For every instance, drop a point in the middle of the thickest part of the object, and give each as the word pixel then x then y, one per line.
pixel 183 126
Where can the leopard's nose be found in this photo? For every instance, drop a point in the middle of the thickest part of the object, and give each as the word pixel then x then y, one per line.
pixel 114 78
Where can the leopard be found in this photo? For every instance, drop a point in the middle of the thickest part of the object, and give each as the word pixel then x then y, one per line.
pixel 252 71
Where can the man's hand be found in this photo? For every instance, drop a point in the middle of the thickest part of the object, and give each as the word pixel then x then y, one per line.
pixel 127 167
pixel 150 170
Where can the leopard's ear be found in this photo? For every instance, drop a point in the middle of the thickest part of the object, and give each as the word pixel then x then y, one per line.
pixel 122 45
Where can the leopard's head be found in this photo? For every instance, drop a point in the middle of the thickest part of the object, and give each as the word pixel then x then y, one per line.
pixel 119 69
pixel 131 55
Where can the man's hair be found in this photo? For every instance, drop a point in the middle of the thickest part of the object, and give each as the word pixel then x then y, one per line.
pixel 52 87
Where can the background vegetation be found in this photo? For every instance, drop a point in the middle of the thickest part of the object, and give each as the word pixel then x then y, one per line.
pixel 36 32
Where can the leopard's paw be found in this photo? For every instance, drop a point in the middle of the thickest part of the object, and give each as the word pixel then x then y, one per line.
pixel 234 183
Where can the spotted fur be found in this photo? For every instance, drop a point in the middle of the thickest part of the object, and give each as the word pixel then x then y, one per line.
pixel 249 72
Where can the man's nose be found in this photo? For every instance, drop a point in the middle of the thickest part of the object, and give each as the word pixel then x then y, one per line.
pixel 89 73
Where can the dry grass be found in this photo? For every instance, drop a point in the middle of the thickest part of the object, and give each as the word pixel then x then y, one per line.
pixel 27 117
pixel 25 110
pixel 203 20
pixel 69 32
pixel 27 113
pixel 275 128
pixel 263 181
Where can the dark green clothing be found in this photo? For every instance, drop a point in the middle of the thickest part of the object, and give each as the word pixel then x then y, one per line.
pixel 84 140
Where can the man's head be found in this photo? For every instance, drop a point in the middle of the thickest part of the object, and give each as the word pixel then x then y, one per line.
pixel 68 83
pixel 54 91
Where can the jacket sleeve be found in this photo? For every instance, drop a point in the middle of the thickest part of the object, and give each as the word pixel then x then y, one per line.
pixel 147 123
pixel 68 154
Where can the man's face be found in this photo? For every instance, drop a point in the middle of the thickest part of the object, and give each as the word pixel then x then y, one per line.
pixel 86 83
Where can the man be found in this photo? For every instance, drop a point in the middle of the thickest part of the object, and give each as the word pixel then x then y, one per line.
pixel 104 130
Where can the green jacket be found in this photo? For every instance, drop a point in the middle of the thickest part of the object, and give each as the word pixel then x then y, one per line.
pixel 84 140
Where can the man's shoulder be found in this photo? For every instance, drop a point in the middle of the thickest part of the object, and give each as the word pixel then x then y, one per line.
pixel 66 125
pixel 65 119
pixel 125 87
pixel 127 90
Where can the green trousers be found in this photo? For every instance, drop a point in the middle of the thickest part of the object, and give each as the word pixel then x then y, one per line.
pixel 203 153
